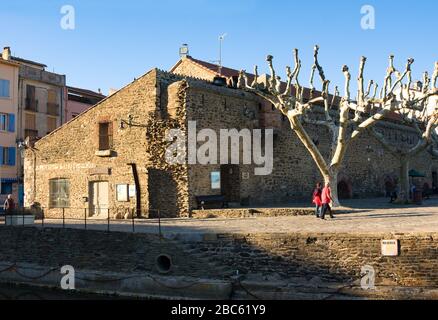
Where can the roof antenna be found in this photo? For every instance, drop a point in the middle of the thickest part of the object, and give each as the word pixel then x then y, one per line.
pixel 221 39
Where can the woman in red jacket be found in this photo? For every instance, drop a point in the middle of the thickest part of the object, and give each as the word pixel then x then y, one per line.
pixel 326 199
pixel 317 199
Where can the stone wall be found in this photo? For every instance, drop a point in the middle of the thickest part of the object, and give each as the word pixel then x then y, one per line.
pixel 314 260
pixel 70 151
pixel 141 115
pixel 367 168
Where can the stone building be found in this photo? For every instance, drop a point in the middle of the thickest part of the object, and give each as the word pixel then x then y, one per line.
pixel 38 105
pixel 8 119
pixel 112 156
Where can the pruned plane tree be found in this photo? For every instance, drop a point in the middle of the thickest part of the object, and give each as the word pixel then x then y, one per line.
pixel 421 118
pixel 345 120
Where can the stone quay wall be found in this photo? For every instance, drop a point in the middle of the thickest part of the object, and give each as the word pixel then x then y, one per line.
pixel 314 260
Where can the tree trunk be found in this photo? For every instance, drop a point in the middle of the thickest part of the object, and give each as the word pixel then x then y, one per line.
pixel 332 179
pixel 404 180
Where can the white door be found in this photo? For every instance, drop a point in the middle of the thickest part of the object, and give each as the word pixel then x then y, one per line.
pixel 99 196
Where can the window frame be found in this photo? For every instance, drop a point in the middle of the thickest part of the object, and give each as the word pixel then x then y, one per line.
pixel 59 202
pixel 107 138
pixel 5 123
pixel 4 81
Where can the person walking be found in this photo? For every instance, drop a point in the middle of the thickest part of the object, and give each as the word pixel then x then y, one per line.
pixel 9 205
pixel 394 194
pixel 326 199
pixel 317 199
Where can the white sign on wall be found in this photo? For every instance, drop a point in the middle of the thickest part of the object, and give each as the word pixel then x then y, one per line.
pixel 122 192
pixel 390 248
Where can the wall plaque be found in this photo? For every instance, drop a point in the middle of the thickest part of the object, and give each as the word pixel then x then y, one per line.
pixel 99 171
pixel 390 248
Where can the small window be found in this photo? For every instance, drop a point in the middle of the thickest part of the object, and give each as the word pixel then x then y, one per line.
pixel 30 121
pixel 4 88
pixel 59 193
pixel 8 156
pixel 6 188
pixel 3 122
pixel 7 122
pixel 51 124
pixel 105 136
pixel 215 180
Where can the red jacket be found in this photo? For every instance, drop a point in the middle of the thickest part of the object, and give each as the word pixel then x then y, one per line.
pixel 317 197
pixel 326 196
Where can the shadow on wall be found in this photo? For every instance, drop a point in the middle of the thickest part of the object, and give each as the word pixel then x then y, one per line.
pixel 271 266
pixel 163 193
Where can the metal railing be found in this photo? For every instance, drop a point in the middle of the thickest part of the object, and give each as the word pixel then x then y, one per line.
pixel 24 217
pixel 31 104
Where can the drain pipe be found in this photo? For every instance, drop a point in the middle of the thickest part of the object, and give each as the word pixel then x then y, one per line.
pixel 137 189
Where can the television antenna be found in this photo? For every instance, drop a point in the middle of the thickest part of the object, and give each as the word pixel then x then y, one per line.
pixel 221 39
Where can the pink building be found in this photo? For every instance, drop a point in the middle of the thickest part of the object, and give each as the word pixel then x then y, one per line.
pixel 79 100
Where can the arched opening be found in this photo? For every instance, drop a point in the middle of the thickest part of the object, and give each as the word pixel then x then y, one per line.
pixel 389 188
pixel 344 190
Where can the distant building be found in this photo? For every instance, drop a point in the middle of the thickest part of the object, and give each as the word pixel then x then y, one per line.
pixel 8 119
pixel 79 100
pixel 36 107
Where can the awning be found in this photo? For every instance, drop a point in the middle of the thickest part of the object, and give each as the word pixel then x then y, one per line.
pixel 9 180
pixel 415 174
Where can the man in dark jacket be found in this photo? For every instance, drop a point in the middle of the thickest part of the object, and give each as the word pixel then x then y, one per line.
pixel 9 205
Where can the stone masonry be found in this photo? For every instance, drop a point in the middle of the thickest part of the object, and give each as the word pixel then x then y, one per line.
pixel 141 114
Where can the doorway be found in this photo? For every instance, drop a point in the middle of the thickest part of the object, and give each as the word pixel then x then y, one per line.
pixel 344 190
pixel 435 182
pixel 99 199
pixel 230 182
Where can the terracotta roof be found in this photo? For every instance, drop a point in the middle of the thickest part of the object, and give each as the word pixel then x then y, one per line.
pixel 9 62
pixel 81 91
pixel 229 73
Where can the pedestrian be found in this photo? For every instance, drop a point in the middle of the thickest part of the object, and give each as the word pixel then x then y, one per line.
pixel 9 205
pixel 317 199
pixel 326 199
pixel 394 194
pixel 412 190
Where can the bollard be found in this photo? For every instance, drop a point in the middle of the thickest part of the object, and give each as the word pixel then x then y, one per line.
pixel 159 224
pixel 133 223
pixel 85 218
pixel 108 228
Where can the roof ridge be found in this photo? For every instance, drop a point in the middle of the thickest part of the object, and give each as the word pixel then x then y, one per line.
pixel 96 105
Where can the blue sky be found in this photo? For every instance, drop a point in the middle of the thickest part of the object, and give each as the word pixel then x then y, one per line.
pixel 116 41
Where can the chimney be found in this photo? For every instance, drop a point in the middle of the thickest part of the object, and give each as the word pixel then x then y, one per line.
pixel 184 50
pixel 6 55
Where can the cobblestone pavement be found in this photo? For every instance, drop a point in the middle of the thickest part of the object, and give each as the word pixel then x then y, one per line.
pixel 358 216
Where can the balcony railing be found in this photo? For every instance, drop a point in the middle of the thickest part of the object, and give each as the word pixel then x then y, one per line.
pixel 30 133
pixel 31 105
pixel 53 109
